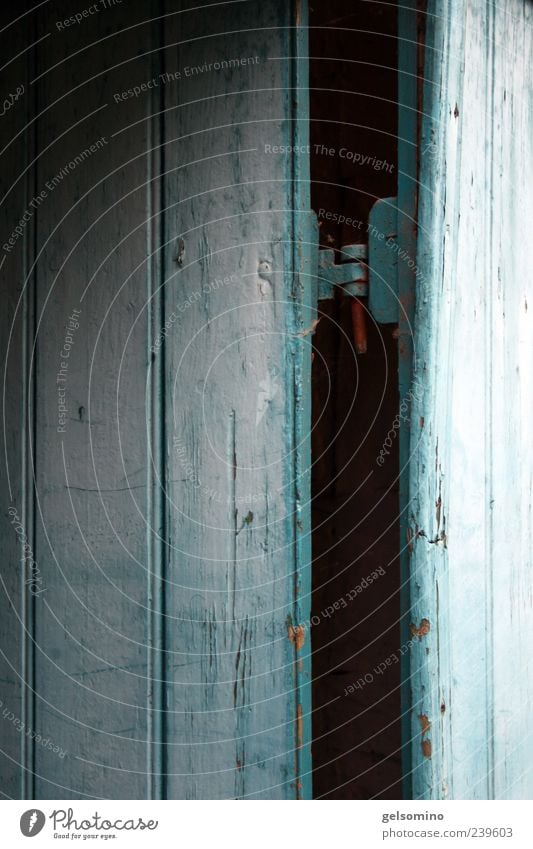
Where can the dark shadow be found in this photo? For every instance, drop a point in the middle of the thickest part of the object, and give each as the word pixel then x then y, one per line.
pixel 356 605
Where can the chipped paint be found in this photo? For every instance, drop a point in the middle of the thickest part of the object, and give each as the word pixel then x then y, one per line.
pixel 268 389
pixel 297 636
pixel 425 724
pixel 299 727
pixel 422 630
pixel 213 597
pixel 470 467
pixel 426 748
pixel 438 506
pixel 311 329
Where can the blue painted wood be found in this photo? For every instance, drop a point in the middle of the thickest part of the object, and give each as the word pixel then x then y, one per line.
pixel 237 365
pixel 470 516
pixel 406 244
pixel 303 318
pixel 383 261
pixel 94 481
pixel 168 654
pixel 169 509
pixel 16 515
pixel 349 276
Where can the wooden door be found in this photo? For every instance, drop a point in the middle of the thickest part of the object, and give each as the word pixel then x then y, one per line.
pixel 156 403
pixel 470 516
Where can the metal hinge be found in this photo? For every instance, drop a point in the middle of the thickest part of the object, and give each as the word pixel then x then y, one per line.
pixel 367 270
pixel 350 274
pixel 351 277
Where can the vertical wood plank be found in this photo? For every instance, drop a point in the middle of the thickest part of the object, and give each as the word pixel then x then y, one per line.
pixel 471 475
pixel 92 462
pixel 407 212
pixel 168 472
pixel 19 578
pixel 236 366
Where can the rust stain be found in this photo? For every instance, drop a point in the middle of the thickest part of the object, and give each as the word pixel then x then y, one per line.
pixel 422 420
pixel 299 727
pixel 311 329
pixel 359 327
pixel 425 724
pixel 422 630
pixel 239 764
pixel 442 707
pixel 296 635
pixel 438 505
pixel 456 111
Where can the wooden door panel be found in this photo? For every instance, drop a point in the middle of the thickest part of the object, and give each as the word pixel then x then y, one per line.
pixel 92 466
pixel 235 707
pixel 159 365
pixel 471 444
pixel 16 530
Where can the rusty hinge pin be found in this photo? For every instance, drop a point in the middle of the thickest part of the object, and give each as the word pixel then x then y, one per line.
pixel 359 326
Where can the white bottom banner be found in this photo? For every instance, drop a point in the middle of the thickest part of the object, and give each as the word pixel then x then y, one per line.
pixel 206 824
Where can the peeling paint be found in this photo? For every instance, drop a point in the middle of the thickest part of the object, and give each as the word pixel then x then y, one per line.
pixel 422 630
pixel 425 724
pixel 180 253
pixel 296 635
pixel 311 329
pixel 299 727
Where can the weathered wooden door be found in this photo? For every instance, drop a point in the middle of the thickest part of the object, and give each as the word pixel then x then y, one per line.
pixel 155 520
pixel 470 509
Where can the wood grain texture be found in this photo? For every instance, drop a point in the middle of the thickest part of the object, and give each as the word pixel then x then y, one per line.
pixel 406 239
pixel 237 386
pixel 93 472
pixel 16 335
pixel 168 506
pixel 471 468
pixel 84 647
